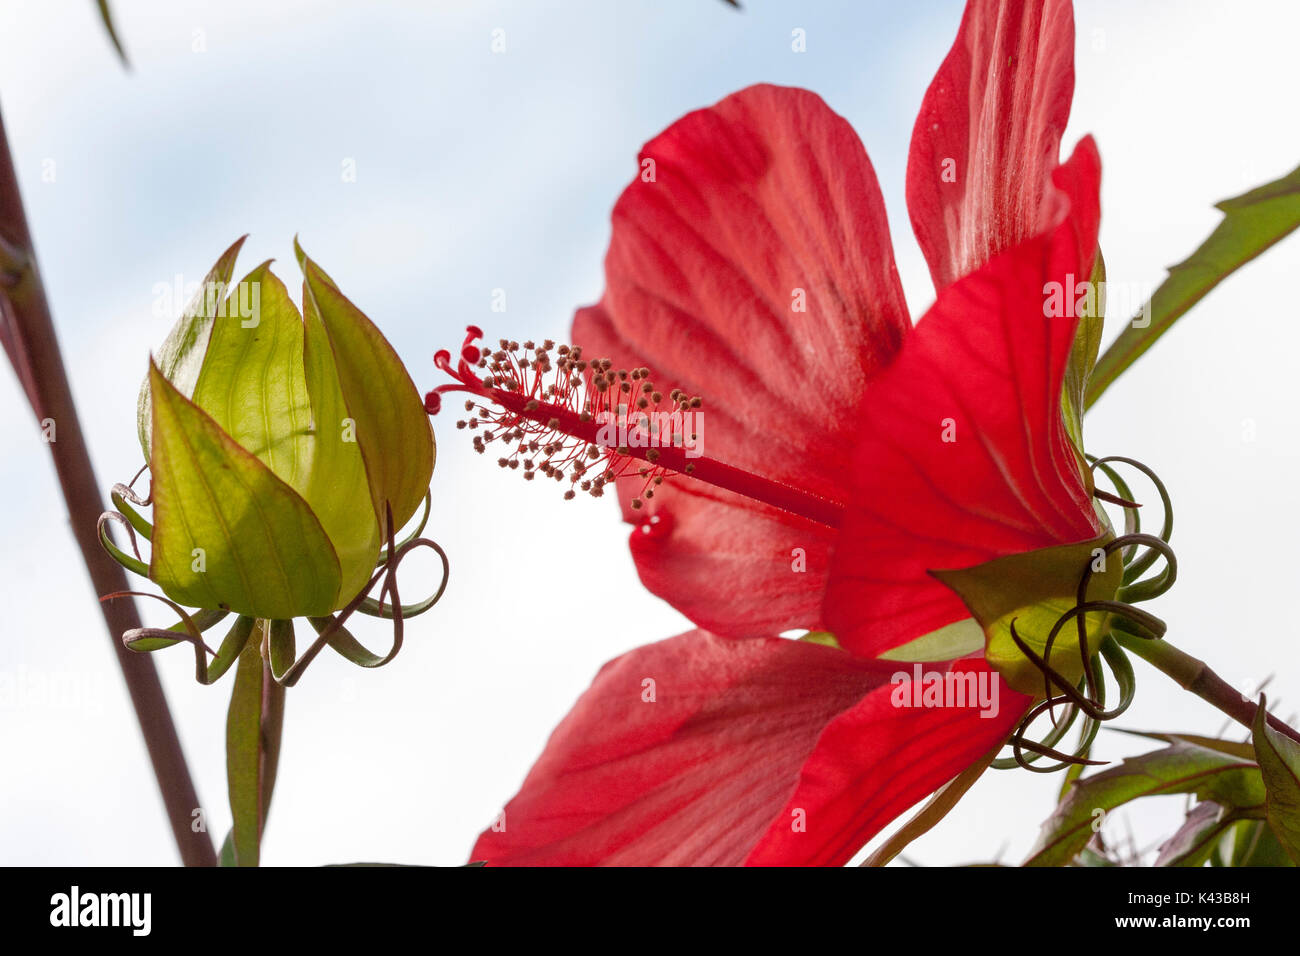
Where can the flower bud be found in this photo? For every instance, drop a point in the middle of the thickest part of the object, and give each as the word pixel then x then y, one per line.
pixel 280 445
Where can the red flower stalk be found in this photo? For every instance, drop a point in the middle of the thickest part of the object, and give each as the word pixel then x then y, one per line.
pixel 853 461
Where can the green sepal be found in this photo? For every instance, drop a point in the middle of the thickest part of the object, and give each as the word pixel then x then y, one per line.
pixel 232 646
pixel 228 533
pixel 1033 589
pixel 948 643
pixel 341 640
pixel 201 620
pixel 281 650
pixel 1083 356
pixel 128 561
pixel 136 520
pixel 825 638
pixel 180 358
pixel 391 425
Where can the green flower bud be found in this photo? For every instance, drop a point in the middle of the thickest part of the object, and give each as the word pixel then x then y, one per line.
pixel 280 445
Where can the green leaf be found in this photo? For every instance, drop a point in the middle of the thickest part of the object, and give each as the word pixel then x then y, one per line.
pixel 1072 773
pixel 1181 767
pixel 385 409
pixel 1279 761
pixel 181 355
pixel 1233 748
pixel 1255 844
pixel 1194 842
pixel 1089 857
pixel 244 756
pixel 1252 222
pixel 228 533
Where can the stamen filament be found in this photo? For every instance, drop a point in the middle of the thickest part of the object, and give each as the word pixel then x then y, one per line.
pixel 564 418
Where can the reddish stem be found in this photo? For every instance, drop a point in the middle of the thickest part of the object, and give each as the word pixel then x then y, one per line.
pixel 28 333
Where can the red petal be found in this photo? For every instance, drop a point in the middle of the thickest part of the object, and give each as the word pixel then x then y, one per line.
pixel 766 192
pixel 996 109
pixel 987 360
pixel 694 777
pixel 876 760
pixel 729 564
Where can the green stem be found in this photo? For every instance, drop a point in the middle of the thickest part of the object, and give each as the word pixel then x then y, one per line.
pixel 253 727
pixel 272 729
pixel 1193 674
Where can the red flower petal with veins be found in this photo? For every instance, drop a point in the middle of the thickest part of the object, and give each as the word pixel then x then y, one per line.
pixel 745 212
pixel 963 455
pixel 764 751
pixel 877 759
pixel 694 776
pixel 746 739
pixel 992 121
pixel 760 205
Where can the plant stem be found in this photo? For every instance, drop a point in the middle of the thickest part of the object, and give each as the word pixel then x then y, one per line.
pixel 1195 675
pixel 27 331
pixel 272 726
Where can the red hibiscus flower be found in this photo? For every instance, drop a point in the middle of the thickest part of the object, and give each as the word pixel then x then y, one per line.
pixel 852 462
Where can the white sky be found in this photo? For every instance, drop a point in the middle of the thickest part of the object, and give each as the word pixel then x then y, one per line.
pixel 479 171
